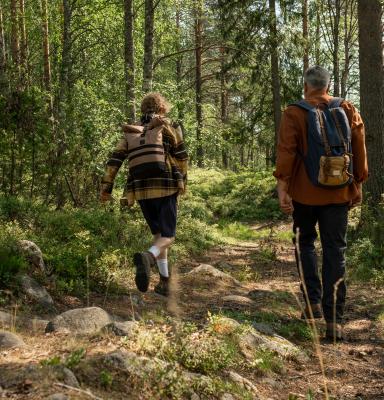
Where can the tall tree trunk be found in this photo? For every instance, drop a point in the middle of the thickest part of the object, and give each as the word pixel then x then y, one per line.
pixel 198 81
pixel 46 50
pixel 63 101
pixel 148 46
pixel 224 107
pixel 23 41
pixel 372 90
pixel 305 35
pixel 129 62
pixel 275 78
pixel 179 67
pixel 336 49
pixel 3 59
pixel 318 26
pixel 15 44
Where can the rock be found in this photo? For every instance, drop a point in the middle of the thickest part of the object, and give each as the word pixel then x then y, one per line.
pixel 58 396
pixel 9 340
pixel 36 325
pixel 252 340
pixel 33 254
pixel 127 328
pixel 35 291
pixel 65 375
pixel 263 328
pixel 240 300
pixel 6 319
pixel 205 270
pixel 225 325
pixel 227 396
pixel 243 382
pixel 80 321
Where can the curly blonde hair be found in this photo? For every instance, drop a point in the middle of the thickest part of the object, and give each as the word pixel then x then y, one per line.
pixel 155 103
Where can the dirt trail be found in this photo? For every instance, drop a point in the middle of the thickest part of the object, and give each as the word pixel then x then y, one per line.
pixel 354 368
pixel 265 279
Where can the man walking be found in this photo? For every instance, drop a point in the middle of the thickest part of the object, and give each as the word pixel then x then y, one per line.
pixel 157 175
pixel 321 165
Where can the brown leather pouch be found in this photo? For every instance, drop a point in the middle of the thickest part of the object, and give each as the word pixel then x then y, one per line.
pixel 334 170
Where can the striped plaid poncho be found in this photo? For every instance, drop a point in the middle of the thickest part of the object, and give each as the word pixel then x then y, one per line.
pixel 173 181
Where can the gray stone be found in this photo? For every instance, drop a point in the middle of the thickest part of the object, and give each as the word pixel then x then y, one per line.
pixel 127 328
pixel 35 291
pixel 252 340
pixel 9 340
pixel 80 321
pixel 58 396
pixel 243 382
pixel 227 396
pixel 240 300
pixel 66 376
pixel 205 270
pixel 33 254
pixel 6 319
pixel 263 328
pixel 36 325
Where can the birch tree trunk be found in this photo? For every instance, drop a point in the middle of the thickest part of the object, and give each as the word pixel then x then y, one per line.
pixel 129 62
pixel 46 49
pixel 275 78
pixel 23 42
pixel 15 44
pixel 372 91
pixel 198 81
pixel 148 46
pixel 3 59
pixel 305 35
pixel 336 49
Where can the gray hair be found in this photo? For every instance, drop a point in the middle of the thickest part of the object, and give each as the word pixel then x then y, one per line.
pixel 317 77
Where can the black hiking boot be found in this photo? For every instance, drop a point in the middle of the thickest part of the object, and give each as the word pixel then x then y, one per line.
pixel 162 287
pixel 143 262
pixel 316 312
pixel 334 332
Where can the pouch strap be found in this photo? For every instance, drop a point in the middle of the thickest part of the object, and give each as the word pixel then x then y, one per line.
pixel 323 132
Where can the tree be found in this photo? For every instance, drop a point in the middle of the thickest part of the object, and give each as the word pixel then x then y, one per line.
pixel 129 62
pixel 148 45
pixel 305 35
pixel 3 60
pixel 372 90
pixel 275 76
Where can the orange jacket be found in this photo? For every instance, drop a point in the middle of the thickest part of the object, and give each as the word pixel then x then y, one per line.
pixel 293 140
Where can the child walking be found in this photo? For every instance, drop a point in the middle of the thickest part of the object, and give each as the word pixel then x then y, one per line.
pixel 157 161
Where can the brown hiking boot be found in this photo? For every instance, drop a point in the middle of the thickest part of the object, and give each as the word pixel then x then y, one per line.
pixel 334 332
pixel 163 286
pixel 317 312
pixel 143 263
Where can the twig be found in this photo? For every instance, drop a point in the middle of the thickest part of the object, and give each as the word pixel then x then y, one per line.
pixel 305 375
pixel 88 393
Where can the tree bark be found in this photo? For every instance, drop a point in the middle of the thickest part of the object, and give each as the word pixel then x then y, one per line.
pixel 23 40
pixel 305 35
pixel 198 81
pixel 275 78
pixel 46 49
pixel 224 107
pixel 372 91
pixel 15 44
pixel 148 46
pixel 3 59
pixel 129 62
pixel 336 49
pixel 318 26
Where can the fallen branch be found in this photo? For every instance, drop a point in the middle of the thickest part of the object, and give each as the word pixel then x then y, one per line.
pixel 88 393
pixel 305 375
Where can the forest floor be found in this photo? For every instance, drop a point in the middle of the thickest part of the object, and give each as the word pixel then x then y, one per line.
pixel 266 275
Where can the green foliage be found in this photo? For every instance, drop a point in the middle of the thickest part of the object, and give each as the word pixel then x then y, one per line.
pixel 106 379
pixel 366 253
pixel 266 361
pixel 74 358
pixel 53 361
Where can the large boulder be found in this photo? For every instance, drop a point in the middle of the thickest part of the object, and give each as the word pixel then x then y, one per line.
pixel 207 271
pixel 33 254
pixel 35 291
pixel 81 321
pixel 9 340
pixel 127 328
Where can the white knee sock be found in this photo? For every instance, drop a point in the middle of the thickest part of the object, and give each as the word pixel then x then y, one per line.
pixel 155 251
pixel 163 267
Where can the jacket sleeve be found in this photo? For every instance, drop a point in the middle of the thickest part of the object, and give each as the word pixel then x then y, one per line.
pixel 287 148
pixel 360 163
pixel 119 154
pixel 178 151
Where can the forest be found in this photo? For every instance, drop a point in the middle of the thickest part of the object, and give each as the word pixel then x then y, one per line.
pixel 71 73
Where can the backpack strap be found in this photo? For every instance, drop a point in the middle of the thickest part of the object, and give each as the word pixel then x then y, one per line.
pixel 304 105
pixel 335 102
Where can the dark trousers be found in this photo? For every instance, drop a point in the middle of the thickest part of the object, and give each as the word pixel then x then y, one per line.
pixel 333 221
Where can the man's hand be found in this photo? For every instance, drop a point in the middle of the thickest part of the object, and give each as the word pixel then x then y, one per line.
pixel 285 199
pixel 356 201
pixel 105 197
